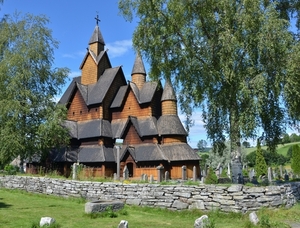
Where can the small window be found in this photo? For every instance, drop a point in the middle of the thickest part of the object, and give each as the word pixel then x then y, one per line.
pixel 73 113
pixel 80 112
pixel 96 109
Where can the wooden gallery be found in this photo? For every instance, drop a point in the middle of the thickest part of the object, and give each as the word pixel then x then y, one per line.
pixel 103 108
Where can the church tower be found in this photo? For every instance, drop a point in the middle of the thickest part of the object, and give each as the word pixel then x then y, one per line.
pixel 168 100
pixel 138 74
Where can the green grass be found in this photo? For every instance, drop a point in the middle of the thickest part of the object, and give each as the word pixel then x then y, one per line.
pixel 281 148
pixel 21 209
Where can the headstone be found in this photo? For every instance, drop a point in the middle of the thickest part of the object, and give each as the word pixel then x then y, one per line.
pixel 74 171
pixel 183 173
pixel 142 177
pixel 125 173
pixel 251 174
pixel 46 221
pixel 270 175
pixel 167 176
pixel 118 162
pixel 254 180
pixel 202 180
pixel 240 179
pixel 201 222
pixel 236 166
pixel 115 176
pixel 228 171
pixel 280 170
pixel 151 179
pixel 160 170
pixel 194 174
pixel 145 178
pixel 123 224
pixel 253 218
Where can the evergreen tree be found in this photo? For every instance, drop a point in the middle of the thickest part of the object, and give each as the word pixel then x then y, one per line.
pixel 260 163
pixel 296 159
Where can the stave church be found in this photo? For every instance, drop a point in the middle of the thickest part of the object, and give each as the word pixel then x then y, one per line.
pixel 105 110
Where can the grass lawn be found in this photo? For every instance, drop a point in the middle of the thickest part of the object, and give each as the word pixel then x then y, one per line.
pixel 21 209
pixel 281 148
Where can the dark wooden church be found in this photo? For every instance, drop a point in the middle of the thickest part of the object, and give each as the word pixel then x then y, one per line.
pixel 103 108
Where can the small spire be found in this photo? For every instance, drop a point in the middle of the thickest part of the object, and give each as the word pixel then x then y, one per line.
pixel 138 67
pixel 168 92
pixel 97 36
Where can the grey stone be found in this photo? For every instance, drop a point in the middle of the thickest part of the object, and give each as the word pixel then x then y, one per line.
pixel 102 205
pixel 253 218
pixel 201 222
pixel 47 221
pixel 123 224
pixel 235 188
pixel 197 205
pixel 133 201
pixel 180 205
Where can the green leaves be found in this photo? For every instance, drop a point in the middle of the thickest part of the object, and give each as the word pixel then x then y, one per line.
pixel 235 59
pixel 28 87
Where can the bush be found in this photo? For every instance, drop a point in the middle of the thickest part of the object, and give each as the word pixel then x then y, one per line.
pixel 296 159
pixel 211 177
pixel 11 169
pixel 260 163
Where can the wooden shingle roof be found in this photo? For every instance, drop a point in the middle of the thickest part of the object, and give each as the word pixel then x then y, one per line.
pixel 170 125
pixel 168 92
pixel 69 91
pixel 138 66
pixel 97 36
pixel 96 153
pixel 179 152
pixel 94 128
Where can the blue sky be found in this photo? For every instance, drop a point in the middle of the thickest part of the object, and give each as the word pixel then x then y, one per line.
pixel 72 24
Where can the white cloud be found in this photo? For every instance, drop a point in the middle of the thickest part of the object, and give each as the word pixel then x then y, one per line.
pixel 75 55
pixel 119 48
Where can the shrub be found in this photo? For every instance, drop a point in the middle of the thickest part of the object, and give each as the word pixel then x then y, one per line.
pixel 296 159
pixel 211 177
pixel 260 163
pixel 11 169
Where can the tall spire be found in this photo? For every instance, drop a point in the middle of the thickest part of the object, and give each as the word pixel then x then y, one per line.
pixel 138 73
pixel 96 43
pixel 168 100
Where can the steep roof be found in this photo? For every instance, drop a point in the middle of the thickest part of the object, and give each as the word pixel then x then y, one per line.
pixel 94 128
pixel 119 98
pixel 145 126
pixel 97 59
pixel 118 127
pixel 170 125
pixel 168 92
pixel 96 153
pixel 93 93
pixel 138 66
pixel 97 36
pixel 144 152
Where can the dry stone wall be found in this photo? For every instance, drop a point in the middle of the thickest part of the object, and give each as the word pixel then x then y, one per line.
pixel 237 198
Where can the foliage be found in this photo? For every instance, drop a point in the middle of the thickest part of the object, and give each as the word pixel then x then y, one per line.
pixel 202 144
pixel 286 138
pixel 211 177
pixel 203 160
pixel 11 169
pixel 271 158
pixel 237 60
pixel 31 122
pixel 260 163
pixel 296 159
pixel 246 144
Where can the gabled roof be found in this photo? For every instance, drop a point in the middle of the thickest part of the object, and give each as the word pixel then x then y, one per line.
pixel 144 152
pixel 94 128
pixel 98 91
pixel 170 125
pixel 69 91
pixel 95 58
pixel 147 92
pixel 118 127
pixel 179 152
pixel 94 93
pixel 118 101
pixel 97 36
pixel 145 126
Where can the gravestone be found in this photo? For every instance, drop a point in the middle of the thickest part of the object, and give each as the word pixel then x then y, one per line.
pixel 123 224
pixel 167 176
pixel 145 178
pixel 228 170
pixel 281 172
pixel 74 171
pixel 160 170
pixel 151 179
pixel 125 173
pixel 251 174
pixel 236 167
pixel 270 174
pixel 183 172
pixel 115 177
pixel 194 174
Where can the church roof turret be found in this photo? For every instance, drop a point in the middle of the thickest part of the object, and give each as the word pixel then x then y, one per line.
pixel 168 93
pixel 97 36
pixel 138 67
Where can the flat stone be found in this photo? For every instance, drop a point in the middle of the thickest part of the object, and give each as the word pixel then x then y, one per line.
pixel 133 201
pixel 180 205
pixel 235 188
pixel 100 206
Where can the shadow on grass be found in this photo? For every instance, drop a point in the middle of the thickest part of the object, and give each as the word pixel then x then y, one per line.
pixel 4 205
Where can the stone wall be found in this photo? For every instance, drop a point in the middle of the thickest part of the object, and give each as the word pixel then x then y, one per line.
pixel 236 198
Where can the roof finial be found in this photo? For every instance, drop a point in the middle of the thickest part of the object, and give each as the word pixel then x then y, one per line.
pixel 97 18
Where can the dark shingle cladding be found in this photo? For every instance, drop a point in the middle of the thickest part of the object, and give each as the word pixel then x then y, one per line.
pixel 97 36
pixel 144 152
pixel 168 92
pixel 178 152
pixel 94 128
pixel 138 66
pixel 94 93
pixel 119 99
pixel 170 125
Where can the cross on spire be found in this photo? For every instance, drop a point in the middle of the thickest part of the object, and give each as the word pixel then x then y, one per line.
pixel 97 19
